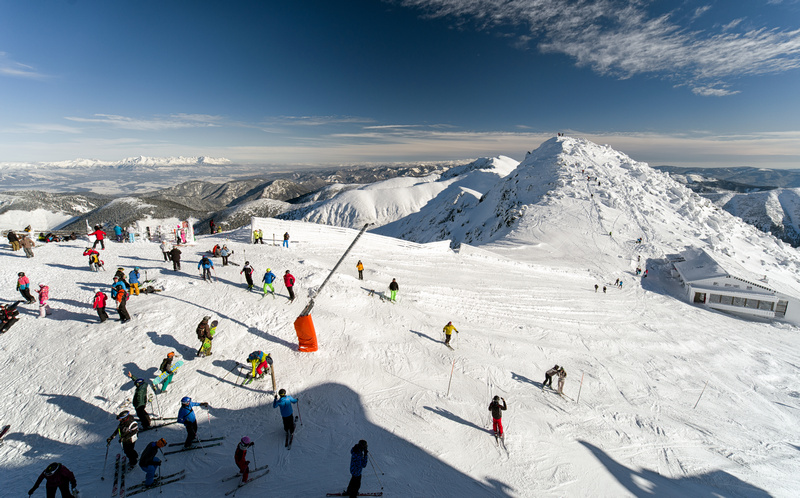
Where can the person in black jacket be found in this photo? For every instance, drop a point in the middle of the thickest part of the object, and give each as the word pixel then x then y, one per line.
pixel 128 431
pixel 175 256
pixel 497 415
pixel 393 288
pixel 58 477
pixel 150 462
pixel 8 315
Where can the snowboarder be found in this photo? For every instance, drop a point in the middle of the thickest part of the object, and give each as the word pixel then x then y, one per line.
pixel 128 431
pixel 175 256
pixel 140 402
pixel 269 277
pixel 225 253
pixel 187 418
pixel 285 401
pixel 166 367
pixel 497 415
pixel 360 268
pixel 240 457
pixel 548 377
pixel 44 296
pixel 133 279
pixel 562 375
pixel 260 361
pixel 203 332
pixel 99 235
pixel 207 265
pixel 9 315
pixel 448 332
pixel 24 287
pixel 58 478
pixel 205 347
pixel 288 281
pixel 286 239
pixel 150 462
pixel 27 246
pixel 393 288
pixel 119 293
pixel 248 274
pixel 165 249
pixel 359 456
pixel 99 304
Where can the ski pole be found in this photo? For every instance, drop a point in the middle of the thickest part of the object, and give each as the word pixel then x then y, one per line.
pixel 701 395
pixel 229 371
pixel 155 396
pixel 103 475
pixel 210 431
pixel 376 464
pixel 298 412
pixel 376 474
pixel 255 464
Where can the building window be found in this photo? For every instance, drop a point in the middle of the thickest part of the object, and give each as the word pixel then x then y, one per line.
pixel 713 298
pixel 700 297
pixel 765 305
pixel 751 303
pixel 726 300
pixel 738 301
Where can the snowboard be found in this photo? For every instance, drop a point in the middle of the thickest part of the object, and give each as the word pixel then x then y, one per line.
pixel 175 367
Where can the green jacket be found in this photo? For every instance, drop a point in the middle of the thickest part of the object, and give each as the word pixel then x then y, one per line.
pixel 140 396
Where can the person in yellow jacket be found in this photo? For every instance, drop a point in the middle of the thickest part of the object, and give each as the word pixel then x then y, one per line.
pixel 260 362
pixel 448 332
pixel 360 268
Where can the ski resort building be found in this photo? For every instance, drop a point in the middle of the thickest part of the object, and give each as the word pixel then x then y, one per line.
pixel 707 282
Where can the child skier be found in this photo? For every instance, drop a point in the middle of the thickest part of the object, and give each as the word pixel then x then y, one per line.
pixel 261 362
pixel 24 287
pixel 187 418
pixel 360 268
pixel 284 401
pixel 44 296
pixel 497 415
pixel 240 457
pixel 269 277
pixel 207 265
pixel 94 258
pixel 248 274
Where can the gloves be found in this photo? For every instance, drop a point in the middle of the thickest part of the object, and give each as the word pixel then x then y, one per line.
pixel 108 441
pixel 205 405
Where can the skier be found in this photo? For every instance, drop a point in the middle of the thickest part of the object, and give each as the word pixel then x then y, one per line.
pixel 133 278
pixel 269 277
pixel 187 418
pixel 99 235
pixel 140 402
pixel 393 288
pixel 562 375
pixel 285 401
pixel 596 287
pixel 248 274
pixel 286 239
pixel 94 258
pixel 207 265
pixel 175 256
pixel 99 304
pixel 119 293
pixel 360 268
pixel 203 332
pixel 645 273
pixel 44 296
pixel 9 315
pixel 288 281
pixel 58 478
pixel 260 362
pixel 497 415
pixel 548 377
pixel 128 431
pixel 166 366
pixel 149 462
pixel 448 332
pixel 165 249
pixel 359 456
pixel 27 245
pixel 240 457
pixel 24 287
pixel 225 253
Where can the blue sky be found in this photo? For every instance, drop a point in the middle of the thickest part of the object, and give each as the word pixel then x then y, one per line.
pixel 318 82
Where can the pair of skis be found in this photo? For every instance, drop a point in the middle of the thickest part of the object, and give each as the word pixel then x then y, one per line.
pixel 251 479
pixel 160 481
pixel 3 432
pixel 344 493
pixel 119 476
pixel 197 444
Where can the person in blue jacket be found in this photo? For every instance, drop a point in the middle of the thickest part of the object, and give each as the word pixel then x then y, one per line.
pixel 358 461
pixel 285 401
pixel 269 277
pixel 149 462
pixel 118 233
pixel 187 418
pixel 207 265
pixel 133 280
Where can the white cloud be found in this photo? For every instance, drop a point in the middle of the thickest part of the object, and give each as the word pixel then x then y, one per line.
pixel 171 122
pixel 11 68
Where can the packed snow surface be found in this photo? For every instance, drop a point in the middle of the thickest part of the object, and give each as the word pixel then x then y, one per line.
pixel 522 297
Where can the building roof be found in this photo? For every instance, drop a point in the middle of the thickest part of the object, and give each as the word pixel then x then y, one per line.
pixel 698 265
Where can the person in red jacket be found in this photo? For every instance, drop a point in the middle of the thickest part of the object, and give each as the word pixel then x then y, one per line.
pixel 288 281
pixel 100 304
pixel 240 457
pixel 99 235
pixel 58 477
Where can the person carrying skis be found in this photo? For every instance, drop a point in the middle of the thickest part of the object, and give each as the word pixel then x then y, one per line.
pixel 9 315
pixel 393 288
pixel 99 304
pixel 497 415
pixel 360 268
pixel 286 239
pixel 448 332
pixel 133 279
pixel 225 253
pixel 150 462
pixel 248 274
pixel 128 431
pixel 44 296
pixel 269 277
pixel 260 361
pixel 187 418
pixel 203 332
pixel 548 377
pixel 140 402
pixel 166 366
pixel 119 293
pixel 24 287
pixel 58 477
pixel 288 281
pixel 99 235
pixel 207 265
pixel 240 457
pixel 562 376
pixel 359 456
pixel 175 256
pixel 285 401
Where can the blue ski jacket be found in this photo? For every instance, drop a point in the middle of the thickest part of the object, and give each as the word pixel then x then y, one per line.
pixel 269 277
pixel 186 414
pixel 133 277
pixel 205 263
pixel 285 403
pixel 358 460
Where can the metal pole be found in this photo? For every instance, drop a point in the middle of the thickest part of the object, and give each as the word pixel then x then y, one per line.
pixel 579 388
pixel 701 395
pixel 103 475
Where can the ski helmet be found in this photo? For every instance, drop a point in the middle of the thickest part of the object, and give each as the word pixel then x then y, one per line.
pixel 186 400
pixel 282 393
pixel 52 469
pixel 247 262
pixel 269 270
pixel 138 382
pixel 136 268
pixel 42 284
pixel 161 443
pixel 21 274
pixel 120 269
pixel 123 414
pixel 246 441
pixel 206 318
pixel 170 354
pixel 496 398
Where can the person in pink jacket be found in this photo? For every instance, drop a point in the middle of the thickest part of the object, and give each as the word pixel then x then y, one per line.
pixel 44 295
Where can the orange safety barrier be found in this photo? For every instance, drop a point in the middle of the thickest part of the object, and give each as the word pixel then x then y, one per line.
pixel 306 334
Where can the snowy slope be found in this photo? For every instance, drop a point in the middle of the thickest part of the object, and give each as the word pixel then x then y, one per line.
pixel 522 297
